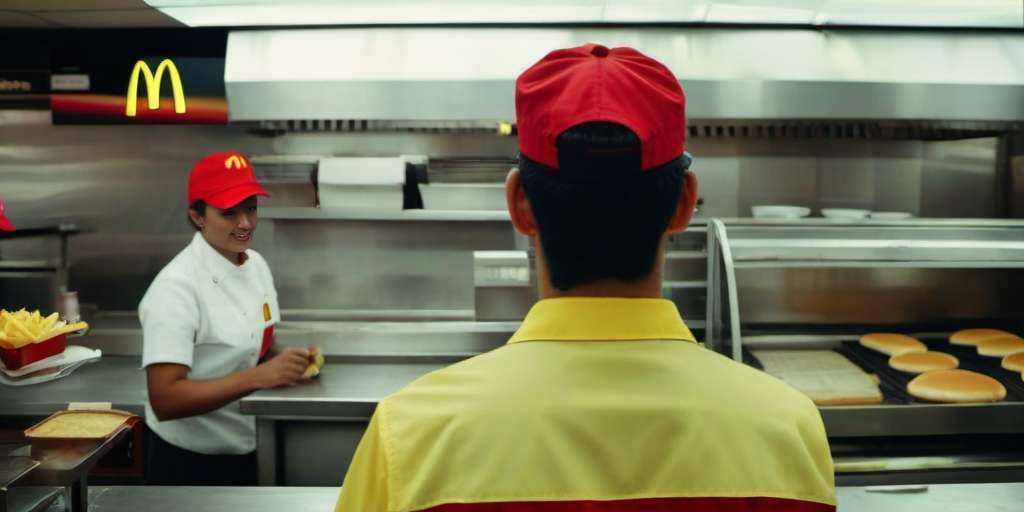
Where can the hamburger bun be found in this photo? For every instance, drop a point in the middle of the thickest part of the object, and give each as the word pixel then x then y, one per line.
pixel 892 344
pixel 1014 362
pixel 973 336
pixel 1001 347
pixel 920 362
pixel 956 386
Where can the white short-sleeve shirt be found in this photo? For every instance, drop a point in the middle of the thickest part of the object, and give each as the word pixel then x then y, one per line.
pixel 206 313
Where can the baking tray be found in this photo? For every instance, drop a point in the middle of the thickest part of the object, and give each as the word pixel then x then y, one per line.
pixel 894 382
pixel 76 444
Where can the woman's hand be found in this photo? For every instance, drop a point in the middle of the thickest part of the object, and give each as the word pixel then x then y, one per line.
pixel 284 369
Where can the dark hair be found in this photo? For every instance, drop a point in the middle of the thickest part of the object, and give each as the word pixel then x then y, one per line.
pixel 200 207
pixel 600 216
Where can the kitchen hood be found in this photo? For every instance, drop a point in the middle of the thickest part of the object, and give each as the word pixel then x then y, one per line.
pixel 450 75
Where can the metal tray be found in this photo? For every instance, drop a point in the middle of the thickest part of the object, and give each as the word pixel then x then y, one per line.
pixel 41 445
pixel 899 414
pixel 894 382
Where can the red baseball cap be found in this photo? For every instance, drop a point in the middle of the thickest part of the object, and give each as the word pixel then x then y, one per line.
pixel 594 83
pixel 5 225
pixel 223 180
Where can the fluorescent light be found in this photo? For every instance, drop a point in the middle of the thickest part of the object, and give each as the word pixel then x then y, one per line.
pixel 927 13
pixel 255 13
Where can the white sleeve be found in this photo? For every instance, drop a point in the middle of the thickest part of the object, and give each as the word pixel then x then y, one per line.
pixel 169 314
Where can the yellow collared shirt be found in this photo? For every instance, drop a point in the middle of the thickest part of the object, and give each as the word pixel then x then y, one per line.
pixel 603 401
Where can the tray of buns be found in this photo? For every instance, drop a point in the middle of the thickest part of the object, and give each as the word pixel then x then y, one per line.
pixel 923 393
pixel 894 383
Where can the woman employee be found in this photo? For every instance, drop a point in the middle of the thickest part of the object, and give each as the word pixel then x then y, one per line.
pixel 207 322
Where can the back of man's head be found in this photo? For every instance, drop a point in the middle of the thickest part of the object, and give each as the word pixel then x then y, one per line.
pixel 601 137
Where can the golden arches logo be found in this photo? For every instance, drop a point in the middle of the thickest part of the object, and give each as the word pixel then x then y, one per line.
pixel 234 162
pixel 153 87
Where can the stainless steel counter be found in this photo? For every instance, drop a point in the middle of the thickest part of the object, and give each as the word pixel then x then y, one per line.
pixel 344 391
pixel 114 379
pixel 308 432
pixel 212 499
pixel 973 497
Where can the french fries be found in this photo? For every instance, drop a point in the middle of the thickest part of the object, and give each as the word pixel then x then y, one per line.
pixel 21 327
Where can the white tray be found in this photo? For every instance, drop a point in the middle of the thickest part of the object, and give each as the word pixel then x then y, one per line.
pixel 63 364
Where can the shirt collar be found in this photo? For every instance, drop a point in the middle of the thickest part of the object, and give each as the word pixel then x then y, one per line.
pixel 602 319
pixel 214 262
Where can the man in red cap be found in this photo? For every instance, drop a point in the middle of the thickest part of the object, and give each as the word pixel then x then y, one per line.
pixel 207 323
pixel 602 400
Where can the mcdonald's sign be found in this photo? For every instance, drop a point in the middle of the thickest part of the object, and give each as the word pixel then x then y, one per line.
pixel 105 100
pixel 153 87
pixel 235 162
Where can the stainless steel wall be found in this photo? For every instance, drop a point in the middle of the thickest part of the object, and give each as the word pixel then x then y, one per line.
pixel 937 298
pixel 351 269
pixel 125 186
pixel 925 178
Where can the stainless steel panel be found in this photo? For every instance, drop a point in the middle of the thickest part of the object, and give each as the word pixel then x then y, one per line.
pixel 317 453
pixel 923 484
pixel 463 146
pixel 463 196
pixel 458 339
pixel 998 497
pixel 118 334
pixel 498 302
pixel 468 73
pixel 104 178
pixel 364 264
pixel 498 217
pixel 267 452
pixel 505 286
pixel 1013 172
pixel 214 499
pixel 344 391
pixel 118 380
pixel 923 420
pixel 959 179
pixel 874 296
pixel 928 179
pixel 125 191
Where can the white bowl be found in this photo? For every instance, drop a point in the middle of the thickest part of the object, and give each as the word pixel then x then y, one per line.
pixel 780 212
pixel 845 213
pixel 890 215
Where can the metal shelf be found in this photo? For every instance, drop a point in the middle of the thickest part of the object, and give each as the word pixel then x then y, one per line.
pixel 700 285
pixel 30 269
pixel 62 230
pixel 877 264
pixel 312 213
pixel 686 255
pixel 27 265
pixel 923 419
pixel 928 251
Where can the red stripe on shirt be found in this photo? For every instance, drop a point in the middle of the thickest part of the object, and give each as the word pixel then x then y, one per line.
pixel 747 504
